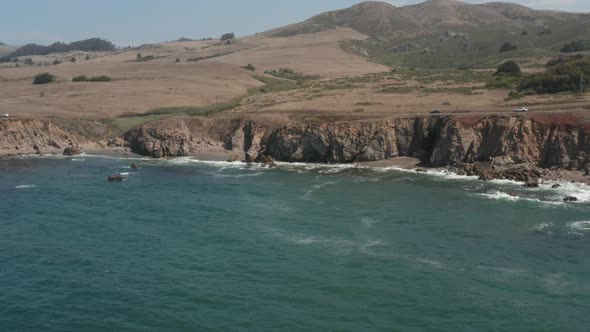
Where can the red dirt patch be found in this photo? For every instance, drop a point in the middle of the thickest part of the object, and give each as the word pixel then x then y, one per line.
pixel 469 120
pixel 563 119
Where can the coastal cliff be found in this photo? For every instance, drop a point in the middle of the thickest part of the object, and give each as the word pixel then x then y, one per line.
pixel 49 136
pixel 552 141
pixel 437 141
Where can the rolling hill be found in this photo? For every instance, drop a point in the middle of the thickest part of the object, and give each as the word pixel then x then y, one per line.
pixel 448 33
pixel 87 45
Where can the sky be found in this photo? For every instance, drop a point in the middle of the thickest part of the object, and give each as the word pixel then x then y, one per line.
pixel 134 22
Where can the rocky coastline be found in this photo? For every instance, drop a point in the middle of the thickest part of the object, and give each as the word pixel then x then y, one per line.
pixel 491 147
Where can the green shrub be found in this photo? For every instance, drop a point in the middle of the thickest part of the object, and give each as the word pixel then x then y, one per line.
pixel 508 68
pixel 73 59
pixel 249 67
pixel 507 47
pixel 145 58
pixel 43 78
pixel 83 78
pixel 560 60
pixel 56 62
pixel 228 36
pixel 575 46
pixel 195 110
pixel 290 75
pixel 564 77
pixel 29 61
pixel 102 78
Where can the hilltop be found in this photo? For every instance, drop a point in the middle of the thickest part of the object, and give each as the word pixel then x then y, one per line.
pixel 87 45
pixel 448 33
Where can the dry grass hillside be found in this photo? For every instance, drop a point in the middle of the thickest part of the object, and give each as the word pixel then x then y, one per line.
pixel 160 81
pixel 310 71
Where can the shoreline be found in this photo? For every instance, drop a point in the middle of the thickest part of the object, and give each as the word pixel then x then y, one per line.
pixel 399 163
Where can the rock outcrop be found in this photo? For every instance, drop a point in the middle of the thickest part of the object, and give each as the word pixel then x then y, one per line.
pixel 509 147
pixel 72 151
pixel 487 171
pixel 115 178
pixel 436 141
pixel 26 136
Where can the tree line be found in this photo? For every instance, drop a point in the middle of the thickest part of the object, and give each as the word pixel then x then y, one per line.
pixel 87 45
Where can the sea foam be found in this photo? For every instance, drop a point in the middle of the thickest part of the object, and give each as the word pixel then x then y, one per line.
pixel 25 186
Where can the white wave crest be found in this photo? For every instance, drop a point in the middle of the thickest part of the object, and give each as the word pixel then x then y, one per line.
pixel 498 195
pixel 316 187
pixel 237 175
pixel 25 186
pixel 369 222
pixel 580 191
pixel 578 227
pixel 544 228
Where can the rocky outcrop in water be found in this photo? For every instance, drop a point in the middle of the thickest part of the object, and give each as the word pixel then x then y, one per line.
pixel 72 151
pixel 115 178
pixel 487 171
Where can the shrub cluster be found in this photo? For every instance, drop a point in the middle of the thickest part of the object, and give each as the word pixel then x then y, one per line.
pixel 575 46
pixel 228 36
pixel 43 78
pixel 559 78
pixel 508 68
pixel 87 45
pixel 249 67
pixel 555 62
pixel 290 74
pixel 507 47
pixel 83 78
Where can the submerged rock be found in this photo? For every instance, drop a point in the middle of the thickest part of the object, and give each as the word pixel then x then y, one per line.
pixel 487 171
pixel 556 186
pixel 234 158
pixel 134 166
pixel 115 178
pixel 267 161
pixel 72 151
pixel 570 199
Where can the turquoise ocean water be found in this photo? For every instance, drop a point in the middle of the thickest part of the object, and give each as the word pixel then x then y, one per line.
pixel 184 245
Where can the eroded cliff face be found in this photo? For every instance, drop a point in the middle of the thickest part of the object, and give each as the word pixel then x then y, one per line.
pixel 437 141
pixel 24 136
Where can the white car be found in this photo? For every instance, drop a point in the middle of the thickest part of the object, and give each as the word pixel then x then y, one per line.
pixel 521 110
pixel 5 116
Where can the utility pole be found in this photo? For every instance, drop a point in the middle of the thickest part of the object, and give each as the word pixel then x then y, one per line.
pixel 372 99
pixel 256 98
pixel 581 83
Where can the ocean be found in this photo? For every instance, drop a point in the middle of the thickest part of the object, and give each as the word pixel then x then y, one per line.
pixel 186 245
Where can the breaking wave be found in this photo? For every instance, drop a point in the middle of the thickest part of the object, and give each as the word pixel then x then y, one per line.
pixel 25 186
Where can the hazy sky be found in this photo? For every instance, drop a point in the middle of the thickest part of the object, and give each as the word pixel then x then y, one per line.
pixel 133 22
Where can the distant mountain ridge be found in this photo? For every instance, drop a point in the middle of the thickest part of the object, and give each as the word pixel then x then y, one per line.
pixel 87 45
pixel 455 28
